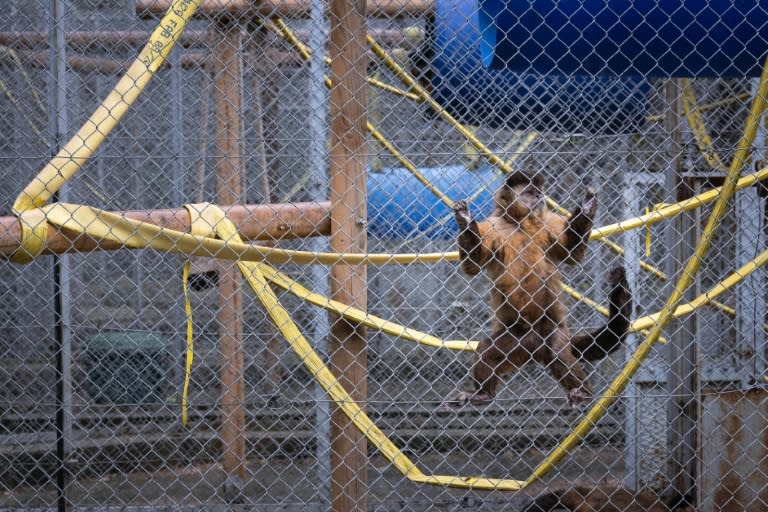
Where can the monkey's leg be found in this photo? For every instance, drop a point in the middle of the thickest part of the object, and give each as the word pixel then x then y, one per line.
pixel 494 357
pixel 601 342
pixel 555 354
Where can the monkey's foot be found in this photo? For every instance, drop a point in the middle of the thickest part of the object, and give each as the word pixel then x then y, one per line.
pixel 578 396
pixel 463 398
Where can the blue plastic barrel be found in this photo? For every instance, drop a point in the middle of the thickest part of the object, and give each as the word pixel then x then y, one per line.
pixel 667 38
pixel 500 98
pixel 401 207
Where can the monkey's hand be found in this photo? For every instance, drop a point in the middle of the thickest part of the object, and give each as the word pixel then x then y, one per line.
pixel 461 213
pixel 589 207
pixel 470 242
pixel 571 245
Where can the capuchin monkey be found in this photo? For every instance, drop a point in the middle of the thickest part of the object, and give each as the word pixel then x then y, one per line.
pixel 520 247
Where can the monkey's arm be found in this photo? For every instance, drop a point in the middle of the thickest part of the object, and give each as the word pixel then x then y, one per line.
pixel 473 253
pixel 571 235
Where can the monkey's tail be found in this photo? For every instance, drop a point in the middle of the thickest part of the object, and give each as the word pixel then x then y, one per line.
pixel 575 499
pixel 678 502
pixel 601 342
pixel 555 500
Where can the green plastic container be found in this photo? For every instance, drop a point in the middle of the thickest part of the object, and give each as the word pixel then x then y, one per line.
pixel 126 368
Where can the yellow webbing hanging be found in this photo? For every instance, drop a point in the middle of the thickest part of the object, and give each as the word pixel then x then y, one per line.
pixel 252 272
pixel 198 226
pixel 190 350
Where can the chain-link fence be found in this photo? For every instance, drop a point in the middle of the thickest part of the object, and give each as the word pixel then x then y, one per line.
pixel 278 399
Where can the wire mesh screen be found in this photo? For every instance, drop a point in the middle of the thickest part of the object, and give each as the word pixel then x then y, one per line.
pixel 468 362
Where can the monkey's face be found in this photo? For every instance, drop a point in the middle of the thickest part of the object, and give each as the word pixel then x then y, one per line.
pixel 515 203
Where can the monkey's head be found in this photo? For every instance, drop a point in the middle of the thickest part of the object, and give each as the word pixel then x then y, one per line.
pixel 522 194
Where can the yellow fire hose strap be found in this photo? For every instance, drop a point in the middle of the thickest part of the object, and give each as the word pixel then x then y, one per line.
pixel 699 128
pixel 132 233
pixel 363 317
pixel 94 131
pixel 190 349
pixel 138 234
pixel 252 272
pixel 199 226
pixel 34 233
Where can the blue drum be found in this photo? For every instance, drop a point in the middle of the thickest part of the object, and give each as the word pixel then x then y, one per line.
pixel 552 102
pixel 667 38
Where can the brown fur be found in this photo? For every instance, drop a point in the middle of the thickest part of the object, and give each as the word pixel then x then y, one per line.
pixel 520 246
pixel 607 499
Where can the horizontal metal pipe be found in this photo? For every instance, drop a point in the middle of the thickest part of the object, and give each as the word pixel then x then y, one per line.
pixel 41 59
pixel 254 222
pixel 289 8
pixel 100 40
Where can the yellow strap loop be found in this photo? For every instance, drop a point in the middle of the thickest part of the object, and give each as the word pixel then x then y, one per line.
pixel 34 233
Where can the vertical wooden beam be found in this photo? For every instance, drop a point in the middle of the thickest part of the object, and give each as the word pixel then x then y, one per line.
pixel 229 190
pixel 348 96
pixel 258 64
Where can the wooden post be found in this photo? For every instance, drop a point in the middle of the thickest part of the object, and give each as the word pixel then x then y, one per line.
pixel 348 96
pixel 258 63
pixel 229 190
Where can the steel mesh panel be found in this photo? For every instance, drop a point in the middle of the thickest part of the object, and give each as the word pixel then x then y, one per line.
pixel 93 343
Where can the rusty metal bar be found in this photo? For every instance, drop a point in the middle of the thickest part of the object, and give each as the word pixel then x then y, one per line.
pixel 131 39
pixel 80 63
pixel 98 40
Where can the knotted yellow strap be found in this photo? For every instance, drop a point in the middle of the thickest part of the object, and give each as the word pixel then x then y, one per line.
pixel 34 233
